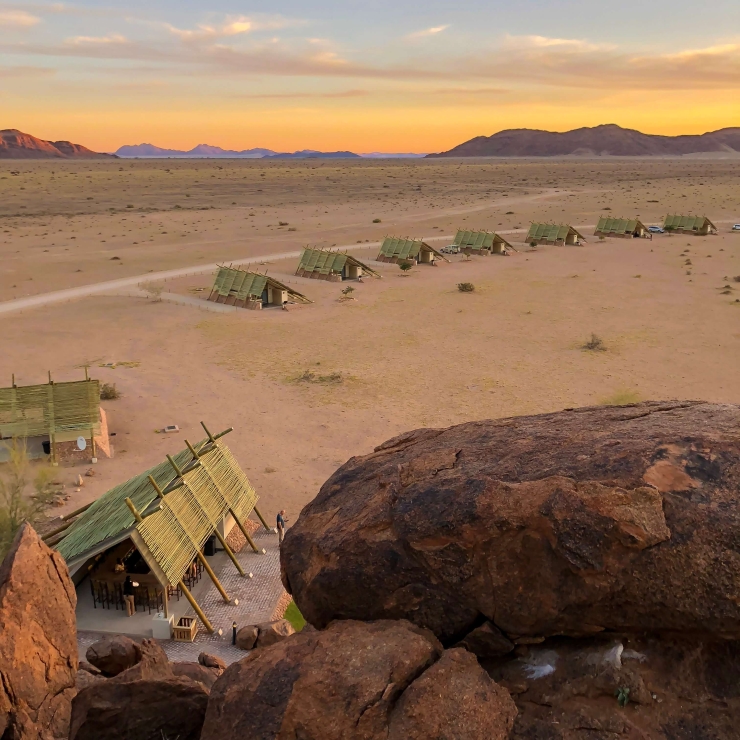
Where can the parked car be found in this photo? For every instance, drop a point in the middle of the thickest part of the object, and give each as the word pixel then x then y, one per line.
pixel 736 227
pixel 656 229
pixel 450 249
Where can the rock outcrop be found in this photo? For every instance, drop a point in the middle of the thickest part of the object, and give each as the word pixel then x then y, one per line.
pixel 355 680
pixel 196 672
pixel 264 634
pixel 146 709
pixel 38 641
pixel 113 655
pixel 608 518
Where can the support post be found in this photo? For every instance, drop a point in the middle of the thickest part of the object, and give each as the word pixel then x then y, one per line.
pixel 244 532
pixel 213 577
pixel 262 519
pixel 229 551
pixel 203 618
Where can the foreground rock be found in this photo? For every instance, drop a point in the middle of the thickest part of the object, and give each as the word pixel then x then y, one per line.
pixel 38 641
pixel 264 634
pixel 671 689
pixel 113 655
pixel 357 680
pixel 569 523
pixel 196 672
pixel 146 709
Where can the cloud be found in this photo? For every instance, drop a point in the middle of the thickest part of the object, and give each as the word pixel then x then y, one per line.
pixel 17 19
pixel 427 32
pixel 10 73
pixel 301 95
pixel 112 38
pixel 230 26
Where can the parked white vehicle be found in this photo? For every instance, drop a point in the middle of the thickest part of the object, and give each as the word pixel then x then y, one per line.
pixel 656 229
pixel 736 227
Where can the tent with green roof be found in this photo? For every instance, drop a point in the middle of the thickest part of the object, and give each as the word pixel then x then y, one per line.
pixel 623 228
pixel 481 242
pixel 700 225
pixel 323 264
pixel 398 249
pixel 541 233
pixel 246 289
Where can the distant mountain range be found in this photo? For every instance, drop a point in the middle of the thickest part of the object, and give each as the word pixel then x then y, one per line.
pixel 610 139
pixel 206 151
pixel 15 144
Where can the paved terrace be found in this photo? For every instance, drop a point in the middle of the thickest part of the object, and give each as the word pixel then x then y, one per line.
pixel 261 598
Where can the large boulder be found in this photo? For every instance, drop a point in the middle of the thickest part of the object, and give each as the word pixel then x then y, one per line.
pixel 196 672
pixel 608 518
pixel 113 655
pixel 212 661
pixel 144 709
pixel 271 632
pixel 349 682
pixel 455 698
pixel 38 640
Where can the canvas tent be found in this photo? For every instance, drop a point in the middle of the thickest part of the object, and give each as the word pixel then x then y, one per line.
pixel 622 228
pixel 395 249
pixel 51 417
pixel 481 242
pixel 700 225
pixel 167 514
pixel 553 234
pixel 247 289
pixel 323 264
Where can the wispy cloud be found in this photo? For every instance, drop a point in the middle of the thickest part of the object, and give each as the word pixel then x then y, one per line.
pixel 25 72
pixel 434 31
pixel 17 19
pixel 112 38
pixel 231 26
pixel 307 95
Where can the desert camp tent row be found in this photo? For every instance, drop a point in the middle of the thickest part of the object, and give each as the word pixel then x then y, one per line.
pixel 160 523
pixel 481 242
pixel 52 417
pixel 323 264
pixel 395 249
pixel 541 233
pixel 245 289
pixel 621 227
pixel 699 225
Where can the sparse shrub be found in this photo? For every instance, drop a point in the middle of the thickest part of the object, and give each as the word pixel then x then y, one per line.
pixel 736 278
pixel 466 287
pixel 309 376
pixel 405 267
pixel 594 344
pixel 282 223
pixel 349 289
pixel 24 493
pixel 109 392
pixel 376 220
pixel 153 290
pixel 533 243
pixel 129 206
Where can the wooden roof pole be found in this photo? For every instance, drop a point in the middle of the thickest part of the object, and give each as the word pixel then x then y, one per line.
pixel 198 553
pixel 231 511
pixel 203 618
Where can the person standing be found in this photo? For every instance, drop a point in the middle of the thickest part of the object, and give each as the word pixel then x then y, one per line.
pixel 281 525
pixel 128 596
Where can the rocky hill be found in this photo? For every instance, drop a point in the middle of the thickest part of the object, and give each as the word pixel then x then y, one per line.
pixel 15 144
pixel 604 140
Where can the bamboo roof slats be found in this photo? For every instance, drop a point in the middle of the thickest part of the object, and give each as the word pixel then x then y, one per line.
pixel 109 516
pixel 551 232
pixel 687 223
pixel 35 410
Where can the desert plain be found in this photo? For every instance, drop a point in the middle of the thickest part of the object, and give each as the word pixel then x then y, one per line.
pixel 307 388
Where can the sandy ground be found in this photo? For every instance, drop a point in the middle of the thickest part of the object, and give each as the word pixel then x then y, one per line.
pixel 408 351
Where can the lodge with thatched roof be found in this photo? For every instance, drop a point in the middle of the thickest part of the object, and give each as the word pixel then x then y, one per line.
pixel 156 530
pixel 699 225
pixel 481 242
pixel 323 264
pixel 395 249
pixel 246 289
pixel 623 228
pixel 557 234
pixel 62 420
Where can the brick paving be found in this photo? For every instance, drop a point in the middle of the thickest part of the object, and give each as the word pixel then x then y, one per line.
pixel 258 597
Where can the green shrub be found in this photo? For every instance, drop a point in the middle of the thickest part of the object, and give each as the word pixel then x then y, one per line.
pixel 466 287
pixel 109 392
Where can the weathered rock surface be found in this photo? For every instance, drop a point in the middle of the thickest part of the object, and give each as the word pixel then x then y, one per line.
pixel 487 641
pixel 272 632
pixel 212 661
pixel 455 698
pixel 85 679
pixel 608 518
pixel 152 663
pixel 679 688
pixel 112 709
pixel 246 637
pixel 348 682
pixel 38 641
pixel 113 655
pixel 196 672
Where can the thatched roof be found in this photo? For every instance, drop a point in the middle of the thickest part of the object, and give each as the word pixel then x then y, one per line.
pixel 325 262
pixel 479 239
pixel 609 225
pixel 552 232
pixel 243 284
pixel 687 223
pixel 402 249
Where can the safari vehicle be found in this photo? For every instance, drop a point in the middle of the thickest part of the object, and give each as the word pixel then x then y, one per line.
pixel 450 249
pixel 656 229
pixel 736 227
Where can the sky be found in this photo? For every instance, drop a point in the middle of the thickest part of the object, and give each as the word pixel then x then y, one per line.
pixel 372 75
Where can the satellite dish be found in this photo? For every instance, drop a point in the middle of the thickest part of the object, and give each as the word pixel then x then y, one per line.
pixel 81 443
